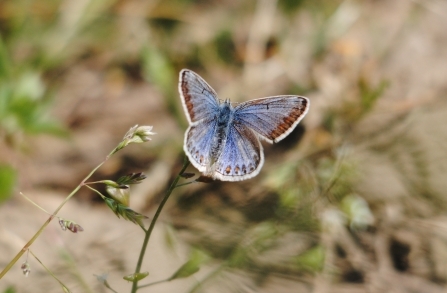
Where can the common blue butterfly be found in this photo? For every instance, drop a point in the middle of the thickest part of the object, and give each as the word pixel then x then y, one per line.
pixel 222 141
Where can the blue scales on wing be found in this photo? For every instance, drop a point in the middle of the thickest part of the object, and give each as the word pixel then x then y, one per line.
pixel 198 141
pixel 198 98
pixel 242 156
pixel 273 118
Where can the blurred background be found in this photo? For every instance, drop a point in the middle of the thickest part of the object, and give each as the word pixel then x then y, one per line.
pixel 354 200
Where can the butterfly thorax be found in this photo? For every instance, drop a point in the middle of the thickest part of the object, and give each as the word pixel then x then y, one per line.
pixel 224 120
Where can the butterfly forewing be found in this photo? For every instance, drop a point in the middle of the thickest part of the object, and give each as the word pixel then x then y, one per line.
pixel 242 156
pixel 198 97
pixel 273 118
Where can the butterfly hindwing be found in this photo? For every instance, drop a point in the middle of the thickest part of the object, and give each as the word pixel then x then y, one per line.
pixel 242 156
pixel 273 118
pixel 197 143
pixel 198 98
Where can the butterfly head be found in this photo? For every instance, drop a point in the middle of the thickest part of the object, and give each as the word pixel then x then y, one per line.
pixel 227 102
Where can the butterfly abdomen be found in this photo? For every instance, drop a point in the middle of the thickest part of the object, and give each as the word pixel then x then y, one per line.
pixel 224 119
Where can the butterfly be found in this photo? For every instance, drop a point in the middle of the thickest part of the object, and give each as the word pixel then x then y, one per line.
pixel 222 141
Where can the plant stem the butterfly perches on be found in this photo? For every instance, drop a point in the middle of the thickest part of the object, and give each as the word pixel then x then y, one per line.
pixel 136 134
pixel 154 220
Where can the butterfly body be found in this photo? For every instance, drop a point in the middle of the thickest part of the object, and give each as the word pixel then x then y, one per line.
pixel 222 141
pixel 224 119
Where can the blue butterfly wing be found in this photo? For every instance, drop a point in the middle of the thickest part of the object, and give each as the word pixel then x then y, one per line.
pixel 273 118
pixel 197 143
pixel 198 98
pixel 242 156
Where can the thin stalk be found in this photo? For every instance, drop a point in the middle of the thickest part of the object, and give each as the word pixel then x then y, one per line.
pixel 95 191
pixel 154 220
pixel 186 183
pixel 208 277
pixel 31 241
pixel 154 283
pixel 48 271
pixel 68 257
pixel 35 204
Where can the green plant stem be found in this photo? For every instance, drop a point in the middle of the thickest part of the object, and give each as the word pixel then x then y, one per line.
pixel 186 183
pixel 95 191
pixel 35 204
pixel 74 268
pixel 48 270
pixel 154 220
pixel 154 283
pixel 31 241
pixel 208 277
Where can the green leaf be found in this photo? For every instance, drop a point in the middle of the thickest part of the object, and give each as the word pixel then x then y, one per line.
pixel 111 204
pixel 125 212
pixel 187 269
pixel 5 66
pixel 136 277
pixel 132 178
pixel 157 68
pixel 311 260
pixel 8 178
pixel 49 127
pixel 369 95
pixel 192 266
pixel 10 289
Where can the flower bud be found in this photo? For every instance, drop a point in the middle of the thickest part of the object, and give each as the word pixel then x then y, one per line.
pixel 26 269
pixel 70 225
pixel 136 134
pixel 144 132
pixel 120 195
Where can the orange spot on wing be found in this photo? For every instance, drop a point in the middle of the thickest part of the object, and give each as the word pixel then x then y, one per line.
pixel 237 169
